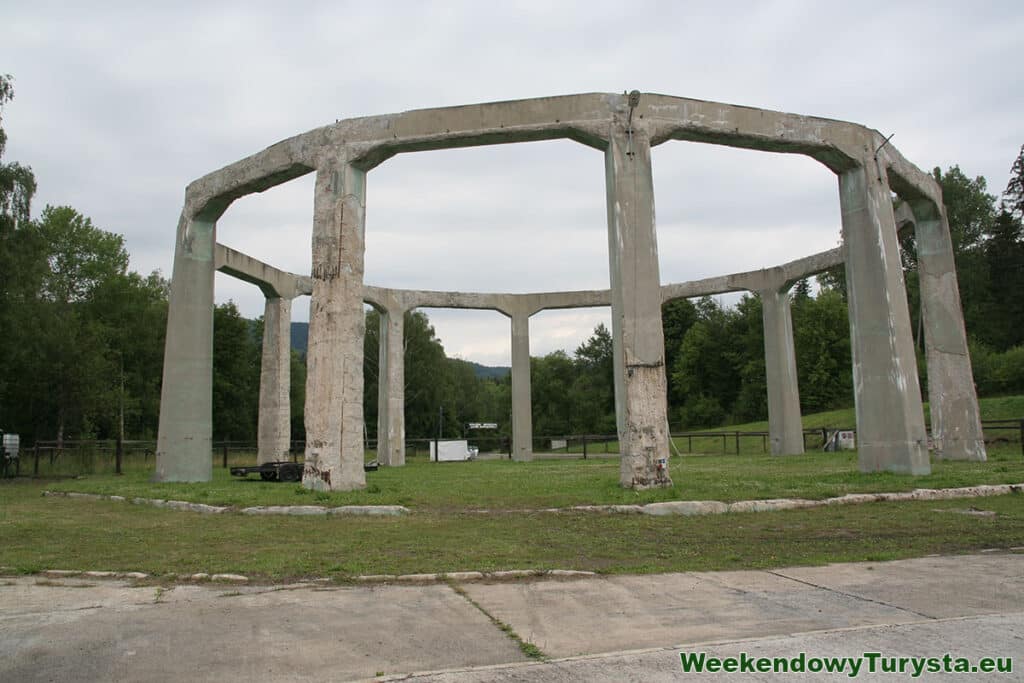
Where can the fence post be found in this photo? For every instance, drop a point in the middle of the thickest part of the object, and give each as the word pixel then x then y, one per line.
pixel 1022 437
pixel 225 455
pixel 737 442
pixel 824 437
pixel 689 444
pixel 118 454
pixel 510 447
pixel 764 443
pixel 724 447
pixel 584 446
pixel 35 466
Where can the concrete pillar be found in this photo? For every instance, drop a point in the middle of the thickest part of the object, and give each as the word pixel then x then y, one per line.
pixel 391 389
pixel 274 431
pixel 639 347
pixel 522 409
pixel 334 386
pixel 183 451
pixel 955 418
pixel 785 429
pixel 890 420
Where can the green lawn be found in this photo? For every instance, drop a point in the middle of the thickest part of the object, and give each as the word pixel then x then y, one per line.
pixel 40 533
pixel 446 531
pixel 506 485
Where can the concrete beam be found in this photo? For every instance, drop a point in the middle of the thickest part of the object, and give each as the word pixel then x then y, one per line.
pixel 391 388
pixel 785 428
pixel 272 281
pixel 639 348
pixel 755 280
pixel 274 430
pixel 585 118
pixel 953 401
pixel 334 386
pixel 522 402
pixel 185 435
pixel 890 421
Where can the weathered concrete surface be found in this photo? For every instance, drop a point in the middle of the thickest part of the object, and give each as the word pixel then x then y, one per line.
pixel 391 388
pixel 930 586
pixel 522 417
pixel 953 401
pixel 890 419
pixel 639 346
pixel 785 428
pixel 272 281
pixel 62 629
pixel 754 280
pixel 115 632
pixel 184 439
pixel 970 637
pixel 274 421
pixel 633 612
pixel 334 385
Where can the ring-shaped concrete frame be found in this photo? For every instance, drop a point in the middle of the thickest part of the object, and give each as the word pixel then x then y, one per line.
pixel 890 419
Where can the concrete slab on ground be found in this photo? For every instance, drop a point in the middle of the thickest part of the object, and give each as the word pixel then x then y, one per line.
pixel 609 614
pixel 63 630
pixel 970 637
pixel 936 587
pixel 70 629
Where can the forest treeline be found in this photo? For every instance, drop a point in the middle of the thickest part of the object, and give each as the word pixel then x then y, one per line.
pixel 81 336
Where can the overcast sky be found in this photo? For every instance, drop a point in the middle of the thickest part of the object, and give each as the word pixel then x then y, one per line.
pixel 118 106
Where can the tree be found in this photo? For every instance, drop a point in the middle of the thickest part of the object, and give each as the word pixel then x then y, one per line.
pixel 1013 196
pixel 677 317
pixel 17 182
pixel 236 374
pixel 18 252
pixel 1004 254
pixel 68 371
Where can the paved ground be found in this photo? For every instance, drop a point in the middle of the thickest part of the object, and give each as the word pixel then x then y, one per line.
pixel 614 628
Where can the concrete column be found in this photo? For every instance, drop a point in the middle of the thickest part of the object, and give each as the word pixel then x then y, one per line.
pixel 955 418
pixel 334 386
pixel 274 432
pixel 785 428
pixel 639 347
pixel 890 420
pixel 183 451
pixel 522 409
pixel 391 389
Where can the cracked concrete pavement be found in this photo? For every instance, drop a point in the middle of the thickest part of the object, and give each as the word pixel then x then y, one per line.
pixel 600 628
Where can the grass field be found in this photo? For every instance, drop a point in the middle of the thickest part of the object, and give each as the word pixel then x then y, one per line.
pixel 446 531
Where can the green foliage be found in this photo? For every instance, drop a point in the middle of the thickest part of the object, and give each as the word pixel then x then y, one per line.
pixel 236 374
pixel 997 372
pixel 1013 196
pixel 718 372
pixel 821 336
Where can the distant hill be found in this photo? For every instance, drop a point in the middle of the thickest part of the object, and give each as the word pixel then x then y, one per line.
pixel 300 342
pixel 489 371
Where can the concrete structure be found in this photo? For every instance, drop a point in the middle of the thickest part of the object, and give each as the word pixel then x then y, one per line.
pixel 624 128
pixel 956 420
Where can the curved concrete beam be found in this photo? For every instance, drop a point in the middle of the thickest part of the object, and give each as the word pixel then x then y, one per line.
pixel 586 118
pixel 280 283
pixel 778 277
